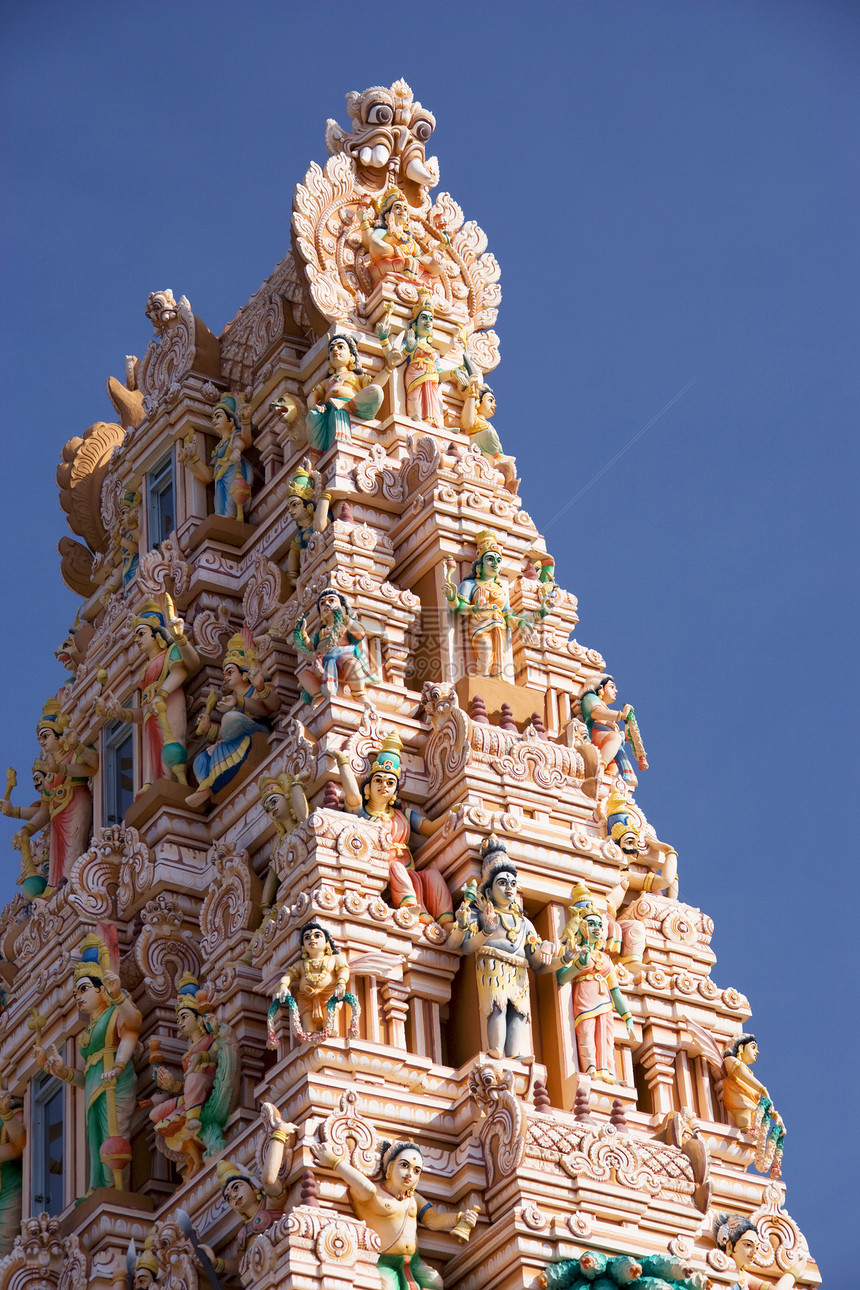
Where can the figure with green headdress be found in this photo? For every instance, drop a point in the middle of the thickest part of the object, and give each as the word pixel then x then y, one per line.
pixel 13 1140
pixel 170 661
pixel 107 1076
pixel 190 1113
pixel 228 470
pixel 423 373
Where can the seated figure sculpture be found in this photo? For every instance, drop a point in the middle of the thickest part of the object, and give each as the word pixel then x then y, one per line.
pixel 229 470
pixel 390 1204
pixel 490 923
pixel 392 250
pixel 376 799
pixel 346 389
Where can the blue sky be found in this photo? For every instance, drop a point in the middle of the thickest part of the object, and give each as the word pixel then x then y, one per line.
pixel 671 190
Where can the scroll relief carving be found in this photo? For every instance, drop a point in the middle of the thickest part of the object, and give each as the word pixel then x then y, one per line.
pixel 164 950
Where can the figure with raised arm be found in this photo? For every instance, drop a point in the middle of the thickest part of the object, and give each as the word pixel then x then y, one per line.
pixel 478 407
pixel 334 656
pixel 346 389
pixel 738 1237
pixel 308 508
pixel 66 802
pixel 602 723
pixel 376 799
pixel 13 1140
pixel 228 469
pixel 423 374
pixel 490 923
pixel 284 800
pixel 248 703
pixel 388 241
pixel 170 661
pixel 259 1203
pixel 595 988
pixel 107 1046
pixel 144 1267
pixel 390 1204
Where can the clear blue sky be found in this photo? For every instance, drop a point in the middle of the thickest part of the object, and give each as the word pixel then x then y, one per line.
pixel 671 190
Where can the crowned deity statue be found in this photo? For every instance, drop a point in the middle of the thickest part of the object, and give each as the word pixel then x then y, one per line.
pixel 170 660
pixel 602 724
pixel 308 507
pixel 479 406
pixel 247 705
pixel 387 238
pixel 423 373
pixel 389 1202
pixel 490 923
pixel 228 470
pixel 284 800
pixel 334 656
pixel 346 389
pixel 107 1046
pixel 189 1114
pixel 258 1202
pixel 483 600
pixel 66 804
pixel 376 799
pixel 142 1268
pixel 13 1140
pixel 595 988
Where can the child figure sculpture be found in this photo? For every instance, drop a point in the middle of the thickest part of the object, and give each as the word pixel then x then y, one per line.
pixel 491 923
pixel 376 799
pixel 346 388
pixel 392 1207
pixel 190 1122
pixel 313 988
pixel 229 470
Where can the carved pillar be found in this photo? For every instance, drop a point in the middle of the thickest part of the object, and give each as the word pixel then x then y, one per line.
pixel 395 1009
pixel 658 1063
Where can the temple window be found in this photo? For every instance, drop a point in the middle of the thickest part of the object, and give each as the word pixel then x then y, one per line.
pixel 48 1173
pixel 161 504
pixel 118 767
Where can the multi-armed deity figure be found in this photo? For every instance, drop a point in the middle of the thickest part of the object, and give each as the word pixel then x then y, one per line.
pixel 376 799
pixel 190 1120
pixel 490 923
pixel 314 987
pixel 478 407
pixel 595 988
pixel 738 1238
pixel 347 388
pixel 258 1203
pixel 423 374
pixel 229 470
pixel 66 803
pixel 245 709
pixel 107 1078
pixel 13 1140
pixel 389 1203
pixel 602 724
pixel 170 660
pixel 392 250
pixel 334 656
pixel 308 508
pixel 483 598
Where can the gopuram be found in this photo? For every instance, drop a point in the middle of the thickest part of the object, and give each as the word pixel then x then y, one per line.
pixel 344 953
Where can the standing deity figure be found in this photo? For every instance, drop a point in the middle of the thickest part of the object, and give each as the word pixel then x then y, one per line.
pixel 285 802
pixel 376 799
pixel 258 1203
pixel 388 241
pixel 334 656
pixel 390 1205
pixel 246 708
pixel 602 724
pixel 423 373
pixel 484 599
pixel 170 660
pixel 13 1140
pixel 229 470
pixel 125 542
pixel 308 508
pixel 738 1238
pixel 189 1116
pixel 347 388
pixel 107 1078
pixel 595 988
pixel 66 802
pixel 478 407
pixel 490 923
pixel 34 867
pixel 314 988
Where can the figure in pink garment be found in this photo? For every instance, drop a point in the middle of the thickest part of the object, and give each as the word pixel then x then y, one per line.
pixel 376 799
pixel 66 802
pixel 595 989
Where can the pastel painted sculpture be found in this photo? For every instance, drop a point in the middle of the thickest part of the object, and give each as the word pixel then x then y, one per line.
pixel 13 1140
pixel 259 1203
pixel 483 600
pixel 248 702
pixel 33 879
pixel 423 374
pixel 376 799
pixel 228 470
pixel 602 723
pixel 125 542
pixel 390 1204
pixel 595 988
pixel 284 800
pixel 170 661
pixel 749 1105
pixel 490 923
pixel 66 804
pixel 334 656
pixel 314 988
pixel 190 1113
pixel 107 1077
pixel 478 408
pixel 386 237
pixel 738 1237
pixel 308 508
pixel 346 389
pixel 593 1270
pixel 144 1268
